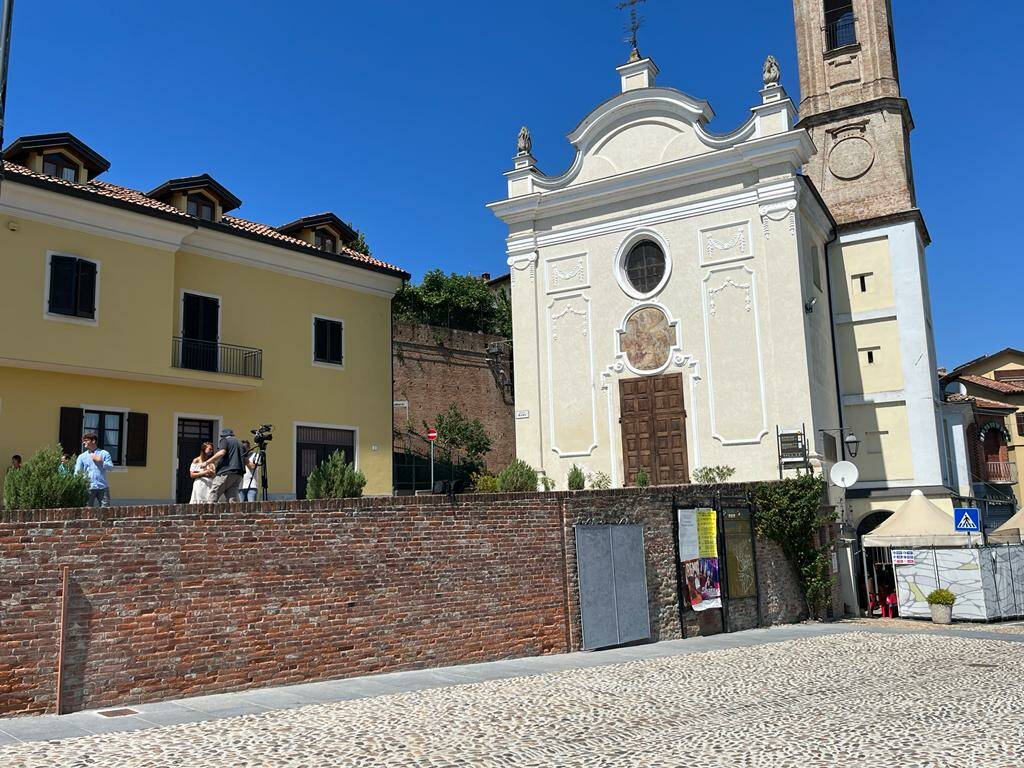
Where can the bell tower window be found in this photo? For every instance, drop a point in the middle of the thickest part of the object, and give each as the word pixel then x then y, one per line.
pixel 58 165
pixel 839 24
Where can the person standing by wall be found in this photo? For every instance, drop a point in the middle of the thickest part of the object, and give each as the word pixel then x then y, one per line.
pixel 94 464
pixel 252 459
pixel 229 467
pixel 16 461
pixel 202 473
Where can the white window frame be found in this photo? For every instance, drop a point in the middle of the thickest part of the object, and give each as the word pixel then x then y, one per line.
pixel 295 443
pixel 122 467
pixel 625 247
pixel 47 314
pixel 320 363
pixel 217 422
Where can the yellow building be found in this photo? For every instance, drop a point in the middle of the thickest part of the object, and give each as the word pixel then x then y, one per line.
pixel 156 319
pixel 994 437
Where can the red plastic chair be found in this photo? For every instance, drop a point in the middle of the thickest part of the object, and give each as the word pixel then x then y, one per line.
pixel 874 602
pixel 891 610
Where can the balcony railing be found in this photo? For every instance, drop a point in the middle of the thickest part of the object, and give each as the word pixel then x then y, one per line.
pixel 839 30
pixel 1001 472
pixel 214 357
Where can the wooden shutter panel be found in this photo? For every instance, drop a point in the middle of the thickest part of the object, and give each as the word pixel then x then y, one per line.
pixel 62 285
pixel 321 333
pixel 138 439
pixel 1020 423
pixel 71 430
pixel 335 342
pixel 86 289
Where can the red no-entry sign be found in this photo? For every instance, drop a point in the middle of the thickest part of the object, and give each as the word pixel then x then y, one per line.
pixel 431 434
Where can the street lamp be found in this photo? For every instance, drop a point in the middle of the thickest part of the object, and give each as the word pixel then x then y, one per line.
pixel 851 443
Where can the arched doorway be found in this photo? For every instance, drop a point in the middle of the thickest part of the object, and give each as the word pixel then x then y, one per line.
pixel 876 566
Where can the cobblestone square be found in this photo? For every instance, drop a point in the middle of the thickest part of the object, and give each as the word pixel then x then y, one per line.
pixel 855 699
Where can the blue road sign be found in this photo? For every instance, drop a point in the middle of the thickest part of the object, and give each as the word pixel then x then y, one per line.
pixel 967 520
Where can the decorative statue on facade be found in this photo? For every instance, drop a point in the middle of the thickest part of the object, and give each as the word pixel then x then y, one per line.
pixel 770 73
pixel 524 144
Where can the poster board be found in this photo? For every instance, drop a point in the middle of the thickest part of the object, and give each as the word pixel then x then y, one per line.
pixel 698 554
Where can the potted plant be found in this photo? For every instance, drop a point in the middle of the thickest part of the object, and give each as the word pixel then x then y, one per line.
pixel 941 602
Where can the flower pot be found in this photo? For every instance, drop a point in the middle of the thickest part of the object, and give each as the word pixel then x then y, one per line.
pixel 941 614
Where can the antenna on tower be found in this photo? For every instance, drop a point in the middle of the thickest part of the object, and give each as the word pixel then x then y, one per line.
pixel 635 22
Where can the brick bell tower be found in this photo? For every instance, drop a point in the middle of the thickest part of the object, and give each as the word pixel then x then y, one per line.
pixel 852 107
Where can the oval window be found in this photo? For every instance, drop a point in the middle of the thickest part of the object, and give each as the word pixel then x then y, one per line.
pixel 645 266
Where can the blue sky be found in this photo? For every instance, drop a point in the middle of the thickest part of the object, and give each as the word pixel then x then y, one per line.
pixel 401 116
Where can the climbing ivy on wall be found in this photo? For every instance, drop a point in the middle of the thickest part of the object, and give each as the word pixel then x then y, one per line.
pixel 789 512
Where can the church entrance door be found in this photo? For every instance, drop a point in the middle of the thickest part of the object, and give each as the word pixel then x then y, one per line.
pixel 653 423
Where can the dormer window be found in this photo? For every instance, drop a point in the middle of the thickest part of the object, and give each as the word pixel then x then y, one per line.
pixel 325 241
pixel 200 206
pixel 60 166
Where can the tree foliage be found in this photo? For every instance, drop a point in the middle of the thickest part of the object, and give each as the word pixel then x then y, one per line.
pixel 789 512
pixel 460 302
pixel 335 479
pixel 576 480
pixel 713 475
pixel 40 483
pixel 456 433
pixel 359 244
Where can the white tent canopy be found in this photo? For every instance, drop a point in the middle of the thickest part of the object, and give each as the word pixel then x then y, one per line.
pixel 917 523
pixel 1014 523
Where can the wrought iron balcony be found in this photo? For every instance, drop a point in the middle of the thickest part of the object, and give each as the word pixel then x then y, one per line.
pixel 215 357
pixel 839 29
pixel 1004 472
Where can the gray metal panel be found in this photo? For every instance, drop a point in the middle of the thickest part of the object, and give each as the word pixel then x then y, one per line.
pixel 630 582
pixel 613 584
pixel 597 586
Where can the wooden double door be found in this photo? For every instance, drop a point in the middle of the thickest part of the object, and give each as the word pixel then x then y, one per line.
pixel 653 423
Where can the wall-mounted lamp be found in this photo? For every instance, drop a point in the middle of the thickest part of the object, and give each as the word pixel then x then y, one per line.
pixel 809 304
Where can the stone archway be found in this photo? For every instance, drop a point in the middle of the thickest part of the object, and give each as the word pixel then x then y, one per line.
pixel 867 524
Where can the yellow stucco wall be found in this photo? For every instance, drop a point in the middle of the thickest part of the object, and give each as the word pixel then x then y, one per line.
pixel 884 454
pixel 870 258
pixel 882 371
pixel 123 360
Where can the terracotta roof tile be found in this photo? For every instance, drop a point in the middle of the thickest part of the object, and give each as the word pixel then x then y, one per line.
pixel 105 189
pixel 1006 387
pixel 980 402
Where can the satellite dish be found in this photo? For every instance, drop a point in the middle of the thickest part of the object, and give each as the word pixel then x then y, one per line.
pixel 844 474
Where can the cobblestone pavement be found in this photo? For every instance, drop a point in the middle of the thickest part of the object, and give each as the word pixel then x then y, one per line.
pixel 911 625
pixel 852 699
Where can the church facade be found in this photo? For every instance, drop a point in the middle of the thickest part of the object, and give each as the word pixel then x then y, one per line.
pixel 669 290
pixel 680 297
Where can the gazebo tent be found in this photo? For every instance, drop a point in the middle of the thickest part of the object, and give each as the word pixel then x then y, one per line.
pixel 988 582
pixel 917 523
pixel 1015 523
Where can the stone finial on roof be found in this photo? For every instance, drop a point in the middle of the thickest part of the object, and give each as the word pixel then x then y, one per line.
pixel 524 143
pixel 770 72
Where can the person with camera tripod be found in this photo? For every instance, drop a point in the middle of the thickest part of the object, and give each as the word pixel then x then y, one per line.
pixel 253 459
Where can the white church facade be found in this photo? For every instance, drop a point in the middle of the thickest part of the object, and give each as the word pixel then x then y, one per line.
pixel 669 299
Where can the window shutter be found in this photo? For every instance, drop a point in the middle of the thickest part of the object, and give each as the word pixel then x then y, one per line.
pixel 62 285
pixel 1020 423
pixel 335 343
pixel 86 289
pixel 321 341
pixel 138 439
pixel 71 430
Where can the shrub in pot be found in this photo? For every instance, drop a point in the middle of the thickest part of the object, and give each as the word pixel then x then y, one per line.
pixel 941 603
pixel 576 479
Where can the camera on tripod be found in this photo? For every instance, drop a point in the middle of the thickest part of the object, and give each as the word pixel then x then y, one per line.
pixel 262 435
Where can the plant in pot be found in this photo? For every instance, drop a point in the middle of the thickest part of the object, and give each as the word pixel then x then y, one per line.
pixel 941 603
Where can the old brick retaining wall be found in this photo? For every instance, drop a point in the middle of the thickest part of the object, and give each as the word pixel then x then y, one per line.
pixel 179 600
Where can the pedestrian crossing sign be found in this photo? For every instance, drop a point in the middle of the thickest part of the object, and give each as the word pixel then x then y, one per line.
pixel 967 520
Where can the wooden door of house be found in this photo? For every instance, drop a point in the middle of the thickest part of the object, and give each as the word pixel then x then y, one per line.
pixel 200 330
pixel 653 420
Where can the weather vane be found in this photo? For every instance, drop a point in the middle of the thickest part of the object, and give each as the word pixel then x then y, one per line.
pixel 635 20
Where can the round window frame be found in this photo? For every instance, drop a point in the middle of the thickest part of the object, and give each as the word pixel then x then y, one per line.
pixel 625 247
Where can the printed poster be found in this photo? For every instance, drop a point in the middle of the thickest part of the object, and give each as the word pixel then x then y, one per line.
pixel 700 558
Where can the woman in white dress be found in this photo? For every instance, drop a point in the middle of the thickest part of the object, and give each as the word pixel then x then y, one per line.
pixel 202 473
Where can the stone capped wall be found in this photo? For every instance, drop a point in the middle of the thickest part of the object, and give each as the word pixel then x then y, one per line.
pixel 183 600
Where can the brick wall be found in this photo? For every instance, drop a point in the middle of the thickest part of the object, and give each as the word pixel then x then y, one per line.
pixel 178 600
pixel 434 367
